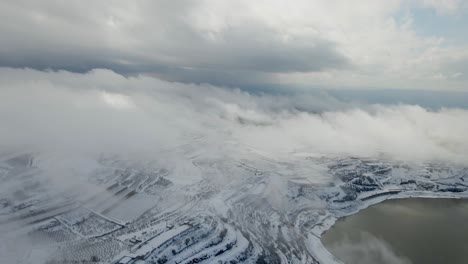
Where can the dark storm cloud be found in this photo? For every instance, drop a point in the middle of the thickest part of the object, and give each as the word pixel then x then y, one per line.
pixel 160 37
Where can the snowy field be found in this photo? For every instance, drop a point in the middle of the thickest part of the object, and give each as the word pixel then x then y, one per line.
pixel 264 209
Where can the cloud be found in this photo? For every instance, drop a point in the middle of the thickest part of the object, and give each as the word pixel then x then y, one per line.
pixel 101 111
pixel 162 36
pixel 227 43
pixel 443 6
pixel 367 250
pixel 118 101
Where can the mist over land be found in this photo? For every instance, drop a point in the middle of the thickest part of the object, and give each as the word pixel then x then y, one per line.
pixel 104 111
pixel 137 153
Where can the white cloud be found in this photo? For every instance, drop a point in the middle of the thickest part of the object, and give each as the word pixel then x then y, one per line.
pixel 443 6
pixel 70 112
pixel 367 250
pixel 118 101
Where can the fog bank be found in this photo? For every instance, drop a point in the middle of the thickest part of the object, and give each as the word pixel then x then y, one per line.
pixel 104 112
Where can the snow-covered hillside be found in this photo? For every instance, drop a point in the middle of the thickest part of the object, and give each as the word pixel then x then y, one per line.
pixel 254 209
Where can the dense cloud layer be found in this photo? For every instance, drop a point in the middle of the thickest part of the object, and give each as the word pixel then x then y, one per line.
pixel 103 112
pixel 179 39
pixel 305 43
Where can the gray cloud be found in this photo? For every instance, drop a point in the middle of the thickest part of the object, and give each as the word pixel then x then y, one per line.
pixel 238 44
pixel 159 37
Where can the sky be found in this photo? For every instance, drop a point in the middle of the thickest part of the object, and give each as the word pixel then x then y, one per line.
pixel 325 77
pixel 303 44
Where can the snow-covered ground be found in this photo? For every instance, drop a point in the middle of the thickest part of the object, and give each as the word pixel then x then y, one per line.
pixel 245 208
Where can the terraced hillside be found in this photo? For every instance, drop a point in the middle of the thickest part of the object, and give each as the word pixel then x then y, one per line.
pixel 254 209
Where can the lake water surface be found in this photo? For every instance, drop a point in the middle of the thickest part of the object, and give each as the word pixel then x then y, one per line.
pixel 403 231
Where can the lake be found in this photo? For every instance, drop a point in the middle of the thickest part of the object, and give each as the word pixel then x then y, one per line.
pixel 403 231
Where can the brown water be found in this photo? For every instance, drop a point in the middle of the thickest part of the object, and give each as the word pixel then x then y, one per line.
pixel 403 231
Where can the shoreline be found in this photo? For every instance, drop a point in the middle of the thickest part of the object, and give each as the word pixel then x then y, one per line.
pixel 314 238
